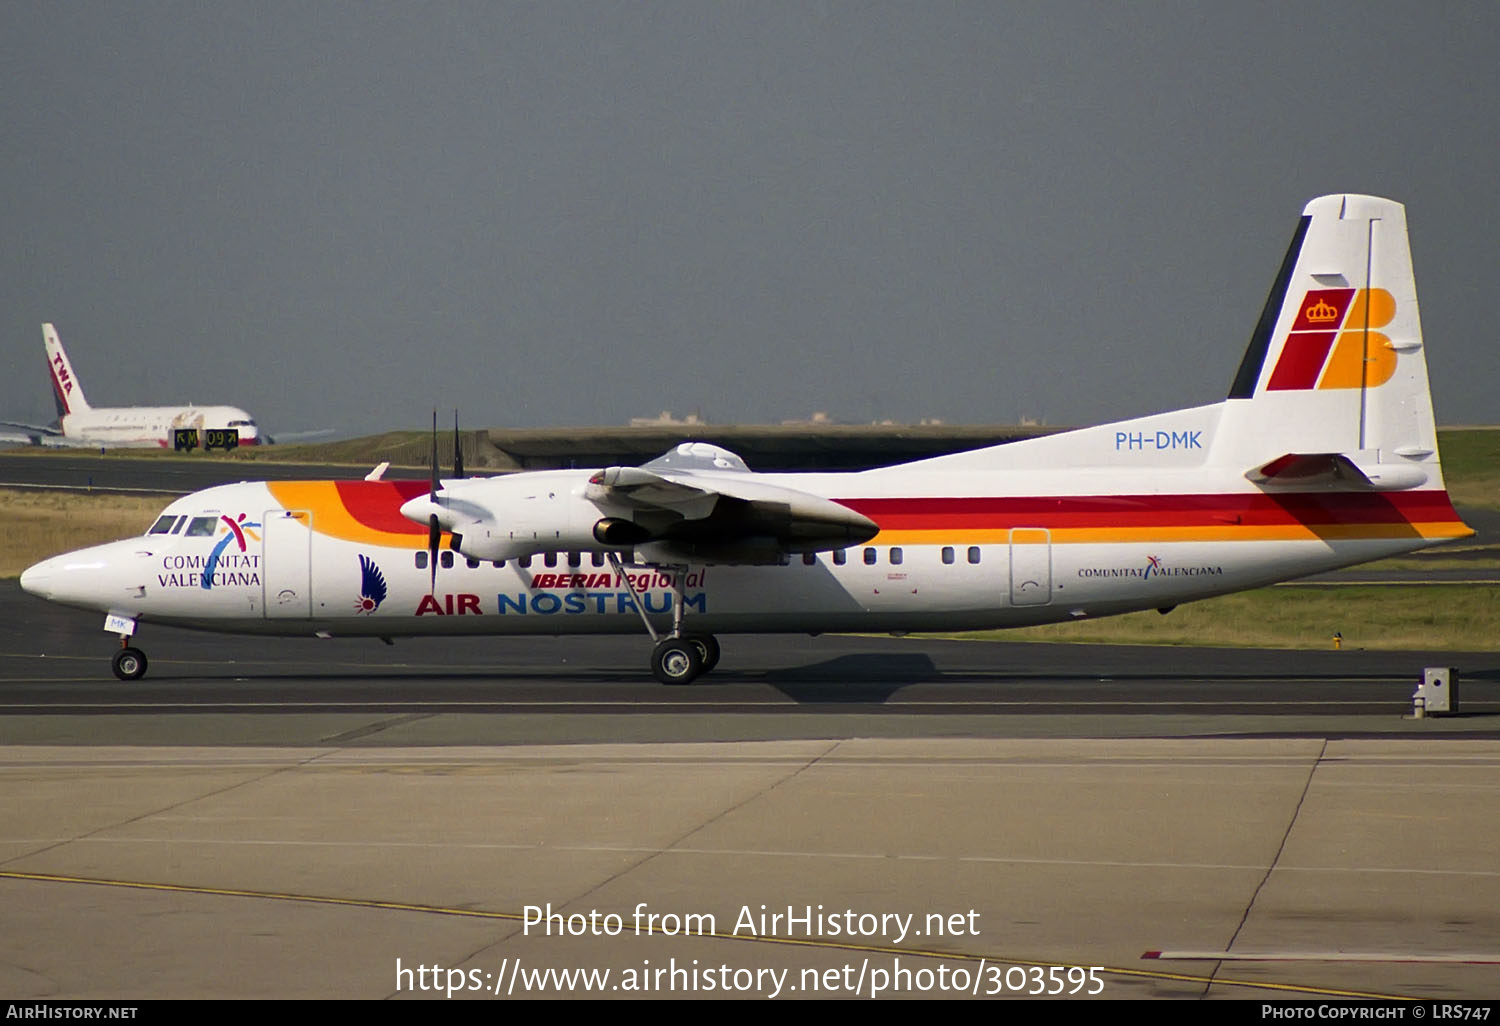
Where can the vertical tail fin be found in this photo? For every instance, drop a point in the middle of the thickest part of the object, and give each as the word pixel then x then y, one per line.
pixel 66 390
pixel 1336 364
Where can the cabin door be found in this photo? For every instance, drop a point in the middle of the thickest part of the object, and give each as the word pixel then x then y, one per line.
pixel 286 563
pixel 1030 566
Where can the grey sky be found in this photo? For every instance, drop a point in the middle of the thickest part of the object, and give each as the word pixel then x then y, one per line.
pixel 572 213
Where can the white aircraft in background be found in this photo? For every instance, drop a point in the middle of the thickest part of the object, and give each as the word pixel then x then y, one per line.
pixel 1324 455
pixel 82 425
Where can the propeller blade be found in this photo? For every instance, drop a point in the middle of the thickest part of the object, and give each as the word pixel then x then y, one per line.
pixel 434 529
pixel 458 453
pixel 433 487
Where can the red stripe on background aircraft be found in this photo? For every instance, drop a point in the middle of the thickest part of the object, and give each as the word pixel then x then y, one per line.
pixel 1324 455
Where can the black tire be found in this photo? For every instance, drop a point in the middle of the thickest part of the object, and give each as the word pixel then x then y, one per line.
pixel 676 661
pixel 129 664
pixel 708 650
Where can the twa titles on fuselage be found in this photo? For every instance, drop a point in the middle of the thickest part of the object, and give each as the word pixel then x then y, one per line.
pixel 1324 455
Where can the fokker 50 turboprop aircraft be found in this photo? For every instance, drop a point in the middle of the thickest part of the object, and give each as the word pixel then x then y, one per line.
pixel 79 424
pixel 1323 455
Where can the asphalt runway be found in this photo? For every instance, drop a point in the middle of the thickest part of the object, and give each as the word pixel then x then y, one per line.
pixel 168 475
pixel 270 818
pixel 55 687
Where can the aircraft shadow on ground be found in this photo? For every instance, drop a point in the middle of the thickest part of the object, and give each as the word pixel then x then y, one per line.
pixel 845 679
pixel 859 679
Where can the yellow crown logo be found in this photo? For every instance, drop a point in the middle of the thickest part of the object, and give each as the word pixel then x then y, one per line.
pixel 1320 312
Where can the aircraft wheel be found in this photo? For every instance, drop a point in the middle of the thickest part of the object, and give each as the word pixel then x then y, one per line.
pixel 129 664
pixel 708 649
pixel 676 661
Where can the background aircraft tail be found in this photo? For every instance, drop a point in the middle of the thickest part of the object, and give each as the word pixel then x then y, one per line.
pixel 66 390
pixel 1335 378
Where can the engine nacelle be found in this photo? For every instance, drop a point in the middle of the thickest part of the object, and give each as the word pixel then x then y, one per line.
pixel 519 516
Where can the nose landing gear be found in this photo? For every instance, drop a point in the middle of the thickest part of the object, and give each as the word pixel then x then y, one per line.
pixel 129 663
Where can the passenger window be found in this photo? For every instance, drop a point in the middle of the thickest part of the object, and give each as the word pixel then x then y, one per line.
pixel 869 557
pixel 473 564
pixel 497 564
pixel 525 562
pixel 973 553
pixel 840 557
pixel 163 525
pixel 597 559
pixel 948 555
pixel 809 559
pixel 202 527
pixel 550 559
pixel 447 559
pixel 422 560
pixel 896 557
pixel 575 559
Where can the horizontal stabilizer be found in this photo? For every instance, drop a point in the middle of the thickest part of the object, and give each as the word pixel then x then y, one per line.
pixel 1301 469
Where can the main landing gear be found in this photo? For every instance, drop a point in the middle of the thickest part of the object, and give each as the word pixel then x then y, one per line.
pixel 680 657
pixel 680 660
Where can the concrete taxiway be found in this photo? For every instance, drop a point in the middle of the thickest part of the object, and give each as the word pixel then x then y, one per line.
pixel 928 867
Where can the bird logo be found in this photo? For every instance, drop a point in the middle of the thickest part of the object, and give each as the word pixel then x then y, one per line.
pixel 371 586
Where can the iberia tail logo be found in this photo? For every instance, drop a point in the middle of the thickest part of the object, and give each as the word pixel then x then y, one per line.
pixel 1329 345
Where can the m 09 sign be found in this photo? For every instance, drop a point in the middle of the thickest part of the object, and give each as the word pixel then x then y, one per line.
pixel 227 439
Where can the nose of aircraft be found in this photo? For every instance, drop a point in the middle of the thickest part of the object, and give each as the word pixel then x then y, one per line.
pixel 36 580
pixel 96 577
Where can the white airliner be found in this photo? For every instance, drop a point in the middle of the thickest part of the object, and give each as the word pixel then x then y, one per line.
pixel 1323 455
pixel 79 424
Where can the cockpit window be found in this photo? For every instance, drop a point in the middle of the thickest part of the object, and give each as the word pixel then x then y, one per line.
pixel 202 527
pixel 164 524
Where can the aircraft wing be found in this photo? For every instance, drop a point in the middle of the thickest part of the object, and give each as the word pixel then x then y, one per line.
pixel 640 490
pixel 283 437
pixel 701 502
pixel 697 503
pixel 31 429
pixel 17 433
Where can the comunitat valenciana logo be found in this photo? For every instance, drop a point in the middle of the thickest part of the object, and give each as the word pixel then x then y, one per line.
pixel 1333 342
pixel 1153 567
pixel 236 530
